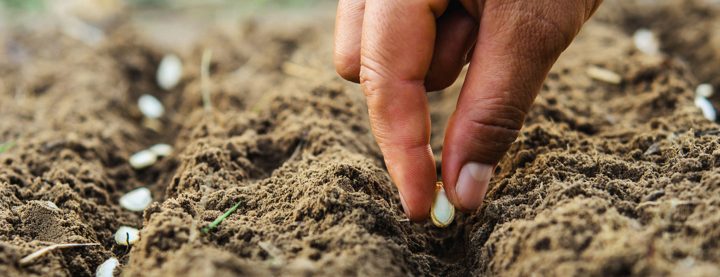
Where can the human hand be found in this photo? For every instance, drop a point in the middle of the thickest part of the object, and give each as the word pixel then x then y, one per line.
pixel 399 49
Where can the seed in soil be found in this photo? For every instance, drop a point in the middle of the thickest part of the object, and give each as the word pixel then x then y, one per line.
pixel 161 149
pixel 136 200
pixel 704 90
pixel 707 108
pixel 107 268
pixel 143 159
pixel 169 72
pixel 126 235
pixel 150 106
pixel 442 212
pixel 646 42
pixel 603 75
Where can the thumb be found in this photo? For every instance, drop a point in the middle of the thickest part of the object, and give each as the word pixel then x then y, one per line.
pixel 517 44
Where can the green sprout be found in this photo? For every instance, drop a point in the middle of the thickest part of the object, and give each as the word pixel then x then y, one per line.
pixel 6 146
pixel 220 219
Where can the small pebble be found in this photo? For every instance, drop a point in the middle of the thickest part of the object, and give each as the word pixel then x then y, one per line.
pixel 704 90
pixel 150 106
pixel 143 159
pixel 161 149
pixel 126 234
pixel 136 200
pixel 646 42
pixel 442 212
pixel 604 75
pixel 169 72
pixel 707 108
pixel 107 268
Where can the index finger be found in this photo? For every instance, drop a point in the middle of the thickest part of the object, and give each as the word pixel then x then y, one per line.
pixel 396 50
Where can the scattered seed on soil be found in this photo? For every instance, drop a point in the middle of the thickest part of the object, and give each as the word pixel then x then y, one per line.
pixel 704 90
pixel 37 254
pixel 150 106
pixel 50 205
pixel 136 200
pixel 604 75
pixel 220 219
pixel 442 211
pixel 161 149
pixel 169 72
pixel 646 41
pixel 143 159
pixel 653 149
pixel 127 235
pixel 707 108
pixel 107 268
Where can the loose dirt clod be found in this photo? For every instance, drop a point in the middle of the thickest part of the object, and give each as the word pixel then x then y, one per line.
pixel 107 268
pixel 37 254
pixel 169 72
pixel 143 159
pixel 136 200
pixel 150 106
pixel 442 212
pixel 126 235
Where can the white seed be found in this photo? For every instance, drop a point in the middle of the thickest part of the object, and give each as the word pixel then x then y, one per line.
pixel 604 75
pixel 704 90
pixel 125 235
pixel 136 200
pixel 150 106
pixel 161 149
pixel 707 108
pixel 107 268
pixel 143 159
pixel 442 211
pixel 51 205
pixel 169 72
pixel 646 42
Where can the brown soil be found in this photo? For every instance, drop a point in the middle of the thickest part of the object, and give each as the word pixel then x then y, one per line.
pixel 604 179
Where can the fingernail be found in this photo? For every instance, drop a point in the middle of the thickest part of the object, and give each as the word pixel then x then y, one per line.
pixel 472 184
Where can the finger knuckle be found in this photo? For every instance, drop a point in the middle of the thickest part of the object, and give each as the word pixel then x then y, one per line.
pixel 547 30
pixel 372 76
pixel 493 126
pixel 498 113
